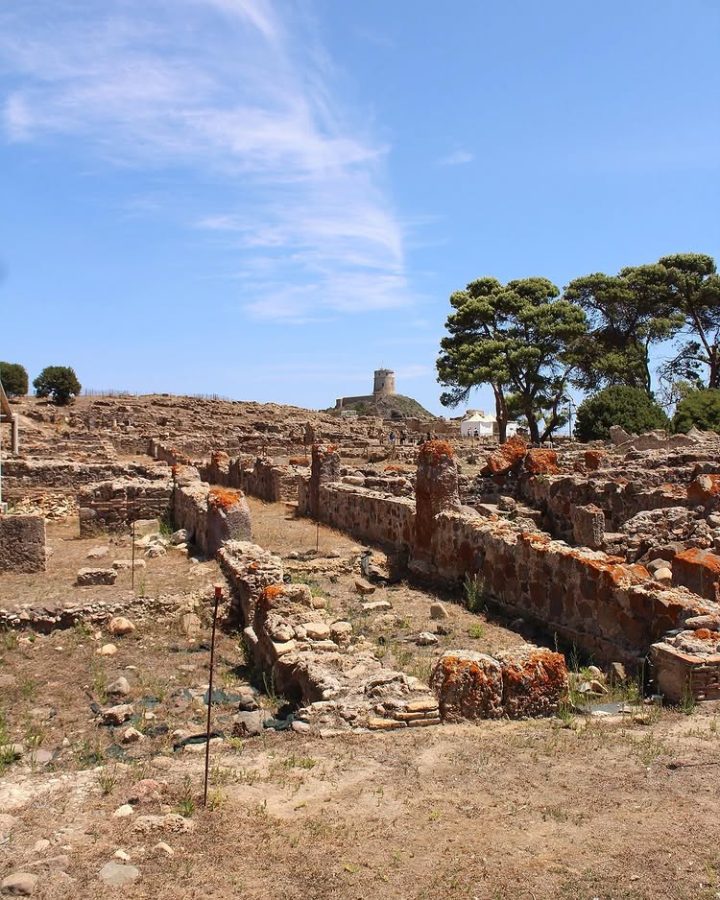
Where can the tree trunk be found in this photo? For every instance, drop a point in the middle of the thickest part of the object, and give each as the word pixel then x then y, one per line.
pixel 532 426
pixel 501 414
pixel 714 379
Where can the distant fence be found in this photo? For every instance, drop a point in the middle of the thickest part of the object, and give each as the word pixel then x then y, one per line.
pixel 111 392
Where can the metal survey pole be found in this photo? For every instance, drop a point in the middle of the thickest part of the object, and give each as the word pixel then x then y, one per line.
pixel 132 576
pixel 218 597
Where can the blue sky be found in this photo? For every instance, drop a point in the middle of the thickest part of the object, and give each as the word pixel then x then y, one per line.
pixel 268 200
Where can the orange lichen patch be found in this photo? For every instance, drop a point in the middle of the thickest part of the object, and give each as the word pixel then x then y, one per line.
pixel 694 556
pixel 393 468
pixel 704 634
pixel 299 461
pixel 435 451
pixel 704 488
pixel 272 592
pixel 541 462
pixel 223 498
pixel 507 458
pixel 594 459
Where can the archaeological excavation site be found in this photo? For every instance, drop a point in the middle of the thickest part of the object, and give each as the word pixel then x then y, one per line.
pixel 442 668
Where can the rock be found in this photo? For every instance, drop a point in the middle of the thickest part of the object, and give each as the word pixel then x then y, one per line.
pixel 341 632
pixel 617 671
pixel 122 565
pixel 19 884
pixel 595 672
pixel 7 823
pixel 147 790
pixel 86 577
pixel 132 736
pixel 710 622
pixel 164 849
pixel 248 699
pixel 248 724
pixel 191 625
pixel 116 715
pixel 300 727
pixel 426 639
pixel 663 575
pixel 98 552
pixel 169 823
pixel 592 687
pixel 146 527
pixel 656 564
pixel 317 631
pixel 107 650
pixel 179 537
pixel 118 874
pixel 376 605
pixel 379 724
pixel 438 611
pixel 122 855
pixel 40 757
pixel 364 587
pixel 119 626
pixel 118 688
pixel 155 550
pixel 122 812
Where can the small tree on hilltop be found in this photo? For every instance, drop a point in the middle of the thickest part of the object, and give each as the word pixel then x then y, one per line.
pixel 629 407
pixel 14 379
pixel 58 383
pixel 698 408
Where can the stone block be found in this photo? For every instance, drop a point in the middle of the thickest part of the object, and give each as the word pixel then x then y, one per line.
pixel 22 544
pixel 698 570
pixel 468 685
pixel 87 577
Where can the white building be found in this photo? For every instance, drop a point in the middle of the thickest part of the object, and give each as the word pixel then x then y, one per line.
pixel 477 423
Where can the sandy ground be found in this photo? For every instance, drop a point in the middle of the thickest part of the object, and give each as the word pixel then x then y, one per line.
pixel 578 808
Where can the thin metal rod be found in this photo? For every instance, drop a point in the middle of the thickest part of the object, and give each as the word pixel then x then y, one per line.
pixel 133 558
pixel 218 596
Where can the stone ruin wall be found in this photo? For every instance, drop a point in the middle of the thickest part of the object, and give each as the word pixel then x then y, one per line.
pixel 114 505
pixel 557 495
pixel 263 479
pixel 367 515
pixel 21 475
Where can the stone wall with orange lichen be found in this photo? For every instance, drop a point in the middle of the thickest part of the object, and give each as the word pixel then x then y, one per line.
pixel 606 607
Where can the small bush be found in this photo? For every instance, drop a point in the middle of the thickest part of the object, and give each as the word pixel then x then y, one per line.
pixel 629 407
pixel 59 383
pixel 698 408
pixel 14 379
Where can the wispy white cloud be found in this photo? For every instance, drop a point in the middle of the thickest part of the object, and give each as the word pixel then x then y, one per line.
pixel 239 90
pixel 456 158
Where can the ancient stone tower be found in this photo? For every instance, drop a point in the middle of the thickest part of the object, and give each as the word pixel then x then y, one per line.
pixel 384 382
